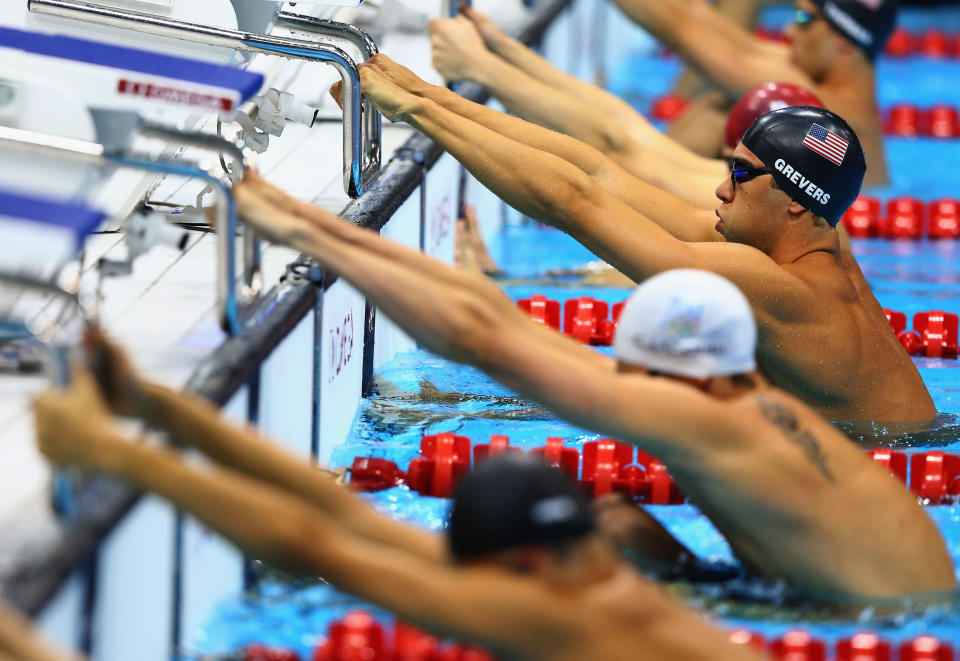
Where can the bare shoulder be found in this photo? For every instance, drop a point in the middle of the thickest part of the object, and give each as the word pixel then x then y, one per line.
pixel 824 273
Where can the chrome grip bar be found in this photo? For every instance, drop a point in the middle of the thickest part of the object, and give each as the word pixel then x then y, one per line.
pixel 366 45
pixel 355 175
pixel 251 245
pixel 93 153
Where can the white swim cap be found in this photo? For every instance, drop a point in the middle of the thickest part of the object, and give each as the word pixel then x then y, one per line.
pixel 690 323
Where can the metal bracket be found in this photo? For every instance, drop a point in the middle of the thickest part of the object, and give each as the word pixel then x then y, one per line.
pixel 357 170
pixel 95 154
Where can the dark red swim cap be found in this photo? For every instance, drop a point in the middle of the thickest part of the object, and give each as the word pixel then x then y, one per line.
pixel 761 100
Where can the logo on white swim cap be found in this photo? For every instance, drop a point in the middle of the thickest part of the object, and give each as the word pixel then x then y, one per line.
pixel 688 322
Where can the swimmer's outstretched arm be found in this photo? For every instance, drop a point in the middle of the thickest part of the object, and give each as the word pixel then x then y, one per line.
pixel 19 641
pixel 192 421
pixel 682 219
pixel 481 328
pixel 726 53
pixel 479 606
pixel 546 187
pixel 626 136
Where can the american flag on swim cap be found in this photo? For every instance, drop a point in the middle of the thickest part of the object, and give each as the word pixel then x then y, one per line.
pixel 826 143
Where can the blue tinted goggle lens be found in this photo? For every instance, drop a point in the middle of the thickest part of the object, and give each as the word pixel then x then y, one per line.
pixel 803 18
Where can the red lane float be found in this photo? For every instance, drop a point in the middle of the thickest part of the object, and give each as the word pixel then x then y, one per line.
pixel 584 318
pixel 499 444
pixel 542 310
pixel 610 466
pixel 906 120
pixel 798 646
pixel 865 646
pixel 944 219
pixel 906 218
pixel 862 219
pixel 258 652
pixel 359 637
pixel 934 333
pixel 567 460
pixel 445 459
pixel 894 462
pixel 935 476
pixel 669 107
pixel 925 648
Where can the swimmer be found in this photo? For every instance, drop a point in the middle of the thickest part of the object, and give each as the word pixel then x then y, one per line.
pixel 19 641
pixel 529 87
pixel 824 337
pixel 520 569
pixel 832 52
pixel 795 499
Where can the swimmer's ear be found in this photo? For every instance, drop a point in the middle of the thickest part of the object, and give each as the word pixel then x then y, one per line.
pixel 795 209
pixel 336 91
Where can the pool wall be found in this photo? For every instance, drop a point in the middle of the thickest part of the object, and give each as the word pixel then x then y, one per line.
pixel 135 579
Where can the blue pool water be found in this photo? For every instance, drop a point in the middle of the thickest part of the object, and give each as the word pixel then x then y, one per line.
pixel 909 277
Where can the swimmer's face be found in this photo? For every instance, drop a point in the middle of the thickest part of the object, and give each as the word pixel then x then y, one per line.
pixel 813 42
pixel 751 212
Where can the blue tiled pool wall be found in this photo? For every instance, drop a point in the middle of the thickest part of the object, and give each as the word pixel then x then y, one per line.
pixel 909 277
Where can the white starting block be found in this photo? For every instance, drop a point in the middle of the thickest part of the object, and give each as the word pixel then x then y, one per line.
pixel 55 83
pixel 217 13
pixel 122 78
pixel 42 234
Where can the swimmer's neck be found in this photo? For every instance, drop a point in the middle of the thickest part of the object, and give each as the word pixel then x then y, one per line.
pixel 801 237
pixel 850 74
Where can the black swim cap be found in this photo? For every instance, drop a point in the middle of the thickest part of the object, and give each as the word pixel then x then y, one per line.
pixel 867 23
pixel 512 501
pixel 815 156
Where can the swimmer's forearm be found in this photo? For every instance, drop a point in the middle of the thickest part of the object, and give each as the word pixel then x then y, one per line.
pixel 262 520
pixel 20 642
pixel 537 184
pixel 548 106
pixel 199 425
pixel 573 150
pixel 535 66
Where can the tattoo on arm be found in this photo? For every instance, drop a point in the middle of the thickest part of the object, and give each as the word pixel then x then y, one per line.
pixel 785 420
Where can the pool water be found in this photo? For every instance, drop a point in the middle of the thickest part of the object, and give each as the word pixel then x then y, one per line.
pixel 418 393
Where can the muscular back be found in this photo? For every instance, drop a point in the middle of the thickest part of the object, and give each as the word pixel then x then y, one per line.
pixel 840 355
pixel 798 501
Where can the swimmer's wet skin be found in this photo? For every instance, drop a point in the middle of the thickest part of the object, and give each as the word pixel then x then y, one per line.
pixel 521 572
pixel 796 500
pixel 823 336
pixel 832 50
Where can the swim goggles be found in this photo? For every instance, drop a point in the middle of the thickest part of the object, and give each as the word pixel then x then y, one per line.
pixel 741 172
pixel 804 18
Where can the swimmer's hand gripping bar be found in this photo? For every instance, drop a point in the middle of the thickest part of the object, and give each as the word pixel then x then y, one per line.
pixel 361 155
pixel 95 154
pixel 57 365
